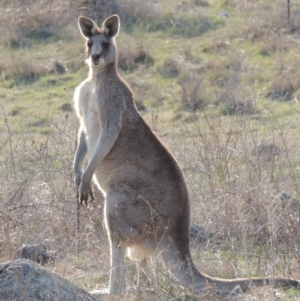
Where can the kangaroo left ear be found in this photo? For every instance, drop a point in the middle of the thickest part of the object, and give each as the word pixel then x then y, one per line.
pixel 112 25
pixel 87 27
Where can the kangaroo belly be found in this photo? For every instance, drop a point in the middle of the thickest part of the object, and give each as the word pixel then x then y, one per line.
pixel 92 128
pixel 140 251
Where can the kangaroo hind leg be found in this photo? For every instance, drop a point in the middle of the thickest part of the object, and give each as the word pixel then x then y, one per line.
pixel 129 221
pixel 117 277
pixel 117 280
pixel 125 219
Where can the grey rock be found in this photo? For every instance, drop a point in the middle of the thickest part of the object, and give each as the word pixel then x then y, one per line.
pixel 35 253
pixel 289 201
pixel 267 150
pixel 25 280
pixel 199 235
pixel 225 14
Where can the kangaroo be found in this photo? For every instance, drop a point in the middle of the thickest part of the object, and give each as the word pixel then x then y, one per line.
pixel 146 207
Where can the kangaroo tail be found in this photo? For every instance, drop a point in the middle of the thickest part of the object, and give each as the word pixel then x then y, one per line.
pixel 242 285
pixel 182 267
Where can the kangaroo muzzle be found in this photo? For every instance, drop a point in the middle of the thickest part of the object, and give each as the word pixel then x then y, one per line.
pixel 96 58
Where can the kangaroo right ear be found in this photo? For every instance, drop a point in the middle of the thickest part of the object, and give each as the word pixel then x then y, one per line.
pixel 87 27
pixel 112 25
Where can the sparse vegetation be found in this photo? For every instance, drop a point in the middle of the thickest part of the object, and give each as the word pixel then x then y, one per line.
pixel 221 89
pixel 133 56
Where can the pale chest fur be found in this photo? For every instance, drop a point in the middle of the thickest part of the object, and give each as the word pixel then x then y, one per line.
pixel 87 108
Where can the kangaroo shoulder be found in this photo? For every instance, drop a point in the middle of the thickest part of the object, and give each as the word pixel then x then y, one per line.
pixel 81 95
pixel 83 89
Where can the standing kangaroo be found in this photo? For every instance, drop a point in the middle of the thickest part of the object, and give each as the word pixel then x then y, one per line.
pixel 146 198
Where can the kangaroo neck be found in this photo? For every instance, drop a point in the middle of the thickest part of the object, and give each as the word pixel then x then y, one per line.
pixel 100 72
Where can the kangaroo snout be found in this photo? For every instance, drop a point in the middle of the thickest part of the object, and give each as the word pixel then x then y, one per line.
pixel 95 57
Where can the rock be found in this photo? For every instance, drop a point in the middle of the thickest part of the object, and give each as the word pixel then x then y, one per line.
pixel 35 253
pixel 199 235
pixel 288 201
pixel 267 150
pixel 25 280
pixel 225 14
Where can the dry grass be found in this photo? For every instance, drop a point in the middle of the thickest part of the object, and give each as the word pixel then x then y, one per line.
pixel 236 195
pixel 132 55
pixel 193 95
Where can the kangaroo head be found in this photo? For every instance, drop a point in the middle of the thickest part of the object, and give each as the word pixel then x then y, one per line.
pixel 100 40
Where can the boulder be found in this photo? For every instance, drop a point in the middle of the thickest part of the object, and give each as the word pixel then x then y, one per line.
pixel 199 235
pixel 25 280
pixel 35 253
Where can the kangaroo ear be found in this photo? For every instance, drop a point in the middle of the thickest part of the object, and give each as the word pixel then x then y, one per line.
pixel 87 27
pixel 112 25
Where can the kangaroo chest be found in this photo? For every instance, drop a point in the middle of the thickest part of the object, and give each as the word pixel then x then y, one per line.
pixel 91 123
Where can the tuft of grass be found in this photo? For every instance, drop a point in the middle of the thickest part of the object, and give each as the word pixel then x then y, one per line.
pixel 22 70
pixel 281 89
pixel 130 57
pixel 170 68
pixel 193 96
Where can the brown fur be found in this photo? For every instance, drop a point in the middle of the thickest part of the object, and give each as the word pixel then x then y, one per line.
pixel 147 203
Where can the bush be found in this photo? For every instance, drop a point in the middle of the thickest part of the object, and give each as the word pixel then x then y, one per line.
pixel 131 56
pixel 22 70
pixel 281 89
pixel 170 68
pixel 192 96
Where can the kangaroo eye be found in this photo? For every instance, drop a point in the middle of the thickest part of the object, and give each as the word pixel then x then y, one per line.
pixel 105 45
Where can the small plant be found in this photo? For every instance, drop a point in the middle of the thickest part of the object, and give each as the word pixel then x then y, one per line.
pixel 170 67
pixel 192 95
pixel 281 89
pixel 200 3
pixel 132 56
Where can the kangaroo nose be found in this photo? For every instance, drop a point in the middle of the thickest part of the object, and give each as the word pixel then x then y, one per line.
pixel 95 57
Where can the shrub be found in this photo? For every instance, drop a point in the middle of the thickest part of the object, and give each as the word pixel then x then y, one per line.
pixel 131 56
pixel 170 67
pixel 192 96
pixel 236 107
pixel 200 3
pixel 281 88
pixel 22 70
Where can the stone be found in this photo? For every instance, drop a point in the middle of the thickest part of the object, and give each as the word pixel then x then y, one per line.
pixel 25 280
pixel 35 253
